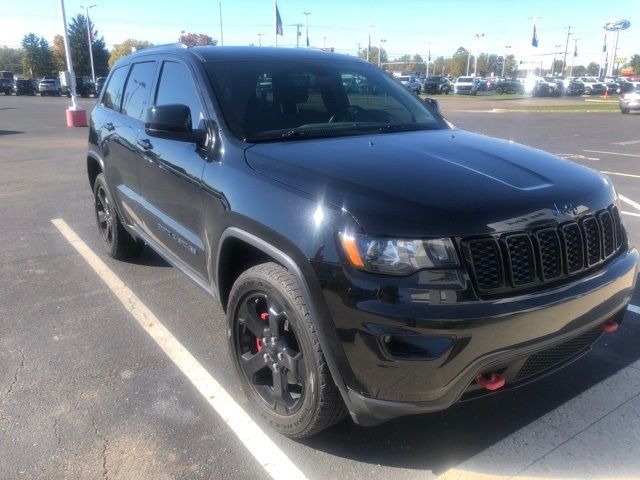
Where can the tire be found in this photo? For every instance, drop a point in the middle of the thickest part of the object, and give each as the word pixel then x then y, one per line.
pixel 499 91
pixel 624 110
pixel 587 91
pixel 308 401
pixel 118 243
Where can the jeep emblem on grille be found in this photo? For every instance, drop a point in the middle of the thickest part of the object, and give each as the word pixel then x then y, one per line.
pixel 566 209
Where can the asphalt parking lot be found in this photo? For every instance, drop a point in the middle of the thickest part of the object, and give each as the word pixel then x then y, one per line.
pixel 86 393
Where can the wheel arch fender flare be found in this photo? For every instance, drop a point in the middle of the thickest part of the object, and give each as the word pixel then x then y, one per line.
pixel 329 341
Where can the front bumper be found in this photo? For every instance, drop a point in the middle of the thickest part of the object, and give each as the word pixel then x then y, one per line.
pixel 486 334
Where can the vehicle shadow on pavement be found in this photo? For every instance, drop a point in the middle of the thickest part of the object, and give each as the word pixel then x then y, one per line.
pixel 440 441
pixel 149 258
pixel 9 132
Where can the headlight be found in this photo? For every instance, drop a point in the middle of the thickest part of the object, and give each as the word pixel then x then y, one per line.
pixel 396 256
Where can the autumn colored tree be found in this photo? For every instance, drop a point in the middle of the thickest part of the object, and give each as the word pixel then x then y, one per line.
pixel 125 48
pixel 196 39
pixel 57 54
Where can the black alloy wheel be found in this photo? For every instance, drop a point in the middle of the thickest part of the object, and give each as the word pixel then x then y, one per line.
pixel 269 353
pixel 277 354
pixel 104 215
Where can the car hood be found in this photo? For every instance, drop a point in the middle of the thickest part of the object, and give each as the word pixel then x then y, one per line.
pixel 439 182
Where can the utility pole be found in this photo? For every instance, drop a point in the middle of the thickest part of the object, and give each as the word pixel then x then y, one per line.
pixel 306 22
pixel 566 47
pixel 504 60
pixel 369 43
pixel 260 39
pixel 90 40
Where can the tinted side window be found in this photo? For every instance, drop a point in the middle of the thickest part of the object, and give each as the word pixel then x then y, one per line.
pixel 113 91
pixel 136 93
pixel 176 86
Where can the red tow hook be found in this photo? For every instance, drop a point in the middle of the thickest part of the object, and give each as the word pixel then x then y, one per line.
pixel 263 316
pixel 493 382
pixel 609 326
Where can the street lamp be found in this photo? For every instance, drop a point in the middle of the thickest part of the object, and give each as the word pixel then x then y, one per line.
pixel 324 42
pixel 380 42
pixel 504 60
pixel 90 39
pixel 306 28
pixel 553 64
pixel 475 63
pixel 260 39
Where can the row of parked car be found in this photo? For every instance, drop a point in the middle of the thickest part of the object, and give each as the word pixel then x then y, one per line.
pixel 48 86
pixel 536 86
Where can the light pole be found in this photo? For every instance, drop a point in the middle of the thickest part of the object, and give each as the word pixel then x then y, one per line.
pixel 90 39
pixel 369 43
pixel 324 42
pixel 380 42
pixel 553 63
pixel 306 23
pixel 260 39
pixel 475 62
pixel 76 116
pixel 504 60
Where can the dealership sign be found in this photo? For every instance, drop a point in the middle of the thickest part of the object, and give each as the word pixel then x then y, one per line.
pixel 617 25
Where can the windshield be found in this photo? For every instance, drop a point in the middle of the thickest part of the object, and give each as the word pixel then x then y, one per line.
pixel 296 99
pixel 465 80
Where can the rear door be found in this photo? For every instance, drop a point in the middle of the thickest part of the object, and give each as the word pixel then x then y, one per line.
pixel 172 172
pixel 127 101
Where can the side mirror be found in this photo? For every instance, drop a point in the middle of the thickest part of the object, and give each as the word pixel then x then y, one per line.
pixel 433 103
pixel 173 122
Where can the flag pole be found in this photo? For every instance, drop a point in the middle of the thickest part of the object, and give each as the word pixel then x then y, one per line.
pixel 275 21
pixel 221 37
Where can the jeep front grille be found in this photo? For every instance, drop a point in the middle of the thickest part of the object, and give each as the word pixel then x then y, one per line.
pixel 522 260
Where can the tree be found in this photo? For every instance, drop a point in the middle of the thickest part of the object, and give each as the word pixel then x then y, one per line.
pixel 416 65
pixel 634 62
pixel 373 57
pixel 196 39
pixel 125 48
pixel 593 68
pixel 36 58
pixel 579 70
pixel 459 62
pixel 58 55
pixel 557 67
pixel 11 59
pixel 79 45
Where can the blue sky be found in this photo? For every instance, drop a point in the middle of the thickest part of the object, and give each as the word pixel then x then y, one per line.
pixel 409 26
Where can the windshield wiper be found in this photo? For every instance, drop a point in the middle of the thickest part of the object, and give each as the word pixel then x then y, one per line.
pixel 403 127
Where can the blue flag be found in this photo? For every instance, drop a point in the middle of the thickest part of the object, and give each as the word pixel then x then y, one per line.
pixel 575 51
pixel 604 45
pixel 534 40
pixel 278 22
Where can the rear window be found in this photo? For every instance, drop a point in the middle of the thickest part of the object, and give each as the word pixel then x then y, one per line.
pixel 465 79
pixel 112 96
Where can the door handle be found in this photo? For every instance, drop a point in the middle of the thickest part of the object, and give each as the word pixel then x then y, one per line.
pixel 145 143
pixel 109 126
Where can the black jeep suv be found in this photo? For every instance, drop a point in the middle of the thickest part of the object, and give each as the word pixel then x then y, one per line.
pixel 371 258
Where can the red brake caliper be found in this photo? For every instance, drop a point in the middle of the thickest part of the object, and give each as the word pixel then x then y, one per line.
pixel 265 317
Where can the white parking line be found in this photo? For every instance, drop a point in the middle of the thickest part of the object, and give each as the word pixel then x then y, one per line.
pixel 632 214
pixel 613 153
pixel 621 174
pixel 629 201
pixel 634 309
pixel 265 451
pixel 628 142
